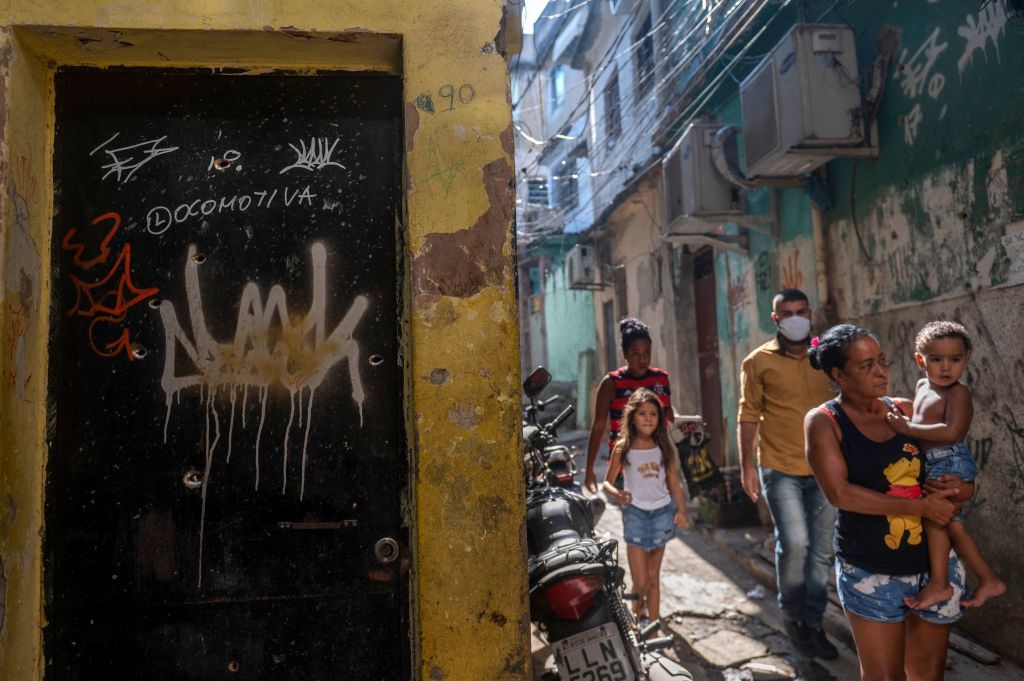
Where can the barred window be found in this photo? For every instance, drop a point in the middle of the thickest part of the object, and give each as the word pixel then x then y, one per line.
pixel 644 57
pixel 612 110
pixel 566 184
pixel 537 190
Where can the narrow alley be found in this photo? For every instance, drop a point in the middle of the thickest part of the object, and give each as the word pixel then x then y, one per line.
pixel 717 202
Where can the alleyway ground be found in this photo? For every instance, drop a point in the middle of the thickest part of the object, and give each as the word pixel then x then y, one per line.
pixel 722 633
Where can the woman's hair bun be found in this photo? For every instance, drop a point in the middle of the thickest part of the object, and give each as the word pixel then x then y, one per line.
pixel 833 346
pixel 632 329
pixel 812 356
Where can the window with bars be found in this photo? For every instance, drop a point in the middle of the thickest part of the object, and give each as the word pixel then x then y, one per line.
pixel 644 57
pixel 537 190
pixel 566 184
pixel 612 110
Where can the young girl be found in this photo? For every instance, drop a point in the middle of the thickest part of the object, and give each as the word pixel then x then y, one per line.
pixel 651 499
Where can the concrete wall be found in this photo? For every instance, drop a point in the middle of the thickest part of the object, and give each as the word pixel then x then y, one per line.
pixel 941 220
pixel 656 278
pixel 469 609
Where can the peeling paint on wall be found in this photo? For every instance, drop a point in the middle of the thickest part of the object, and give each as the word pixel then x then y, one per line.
pixel 21 278
pixel 462 263
pixel 928 240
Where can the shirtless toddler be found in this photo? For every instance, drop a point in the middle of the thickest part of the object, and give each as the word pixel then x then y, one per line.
pixel 942 416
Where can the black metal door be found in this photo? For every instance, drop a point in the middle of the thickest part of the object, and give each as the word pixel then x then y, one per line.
pixel 227 446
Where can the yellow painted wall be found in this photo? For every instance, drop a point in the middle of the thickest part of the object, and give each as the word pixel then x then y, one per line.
pixel 469 586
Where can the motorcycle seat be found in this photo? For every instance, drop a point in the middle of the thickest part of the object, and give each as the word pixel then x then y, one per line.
pixel 577 554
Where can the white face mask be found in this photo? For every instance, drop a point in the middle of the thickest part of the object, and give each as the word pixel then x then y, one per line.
pixel 795 328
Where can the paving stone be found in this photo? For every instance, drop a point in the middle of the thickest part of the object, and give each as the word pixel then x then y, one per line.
pixel 771 668
pixel 729 648
pixel 683 593
pixel 737 675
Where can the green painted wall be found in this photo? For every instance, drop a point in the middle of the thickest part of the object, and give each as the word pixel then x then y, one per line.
pixel 569 319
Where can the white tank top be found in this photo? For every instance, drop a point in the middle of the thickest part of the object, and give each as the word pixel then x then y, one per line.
pixel 644 477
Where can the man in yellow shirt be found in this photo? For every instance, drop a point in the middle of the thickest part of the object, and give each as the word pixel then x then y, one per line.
pixel 778 388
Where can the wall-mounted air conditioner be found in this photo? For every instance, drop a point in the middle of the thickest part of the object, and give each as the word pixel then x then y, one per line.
pixel 696 194
pixel 802 104
pixel 581 268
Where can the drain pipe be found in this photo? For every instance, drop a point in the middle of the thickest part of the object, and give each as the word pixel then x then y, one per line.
pixel 825 305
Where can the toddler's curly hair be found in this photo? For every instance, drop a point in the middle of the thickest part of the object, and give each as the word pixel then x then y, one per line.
pixel 933 331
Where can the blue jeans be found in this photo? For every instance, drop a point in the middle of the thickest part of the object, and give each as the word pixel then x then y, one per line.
pixel 804 525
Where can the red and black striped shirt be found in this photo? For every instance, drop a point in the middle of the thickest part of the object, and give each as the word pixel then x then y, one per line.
pixel 655 380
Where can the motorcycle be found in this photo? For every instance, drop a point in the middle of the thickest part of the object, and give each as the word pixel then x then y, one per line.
pixel 560 460
pixel 576 586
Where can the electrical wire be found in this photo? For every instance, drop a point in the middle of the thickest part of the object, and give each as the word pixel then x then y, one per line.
pixel 701 99
pixel 666 81
pixel 640 122
pixel 611 56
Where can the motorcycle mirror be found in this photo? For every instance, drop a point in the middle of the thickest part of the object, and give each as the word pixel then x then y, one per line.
pixel 536 382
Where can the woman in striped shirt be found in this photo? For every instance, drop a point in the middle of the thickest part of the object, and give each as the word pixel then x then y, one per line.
pixel 618 385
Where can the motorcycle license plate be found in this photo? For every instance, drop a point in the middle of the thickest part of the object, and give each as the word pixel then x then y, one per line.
pixel 597 654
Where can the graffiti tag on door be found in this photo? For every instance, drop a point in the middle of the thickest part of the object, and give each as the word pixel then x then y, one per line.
pixel 104 299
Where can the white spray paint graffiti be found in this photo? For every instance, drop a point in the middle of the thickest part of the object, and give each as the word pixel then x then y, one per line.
pixel 919 71
pixel 989 25
pixel 270 347
pixel 160 218
pixel 914 74
pixel 124 161
pixel 316 156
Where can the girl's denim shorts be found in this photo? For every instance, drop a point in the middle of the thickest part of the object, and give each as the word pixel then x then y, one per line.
pixel 649 530
pixel 879 598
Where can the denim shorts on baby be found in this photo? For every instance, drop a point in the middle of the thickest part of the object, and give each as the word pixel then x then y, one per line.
pixel 879 598
pixel 649 530
pixel 950 460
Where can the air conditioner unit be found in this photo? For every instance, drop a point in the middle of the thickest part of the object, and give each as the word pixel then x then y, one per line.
pixel 696 194
pixel 581 268
pixel 802 104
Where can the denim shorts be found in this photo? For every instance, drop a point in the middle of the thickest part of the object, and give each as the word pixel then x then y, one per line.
pixel 950 460
pixel 649 530
pixel 879 598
